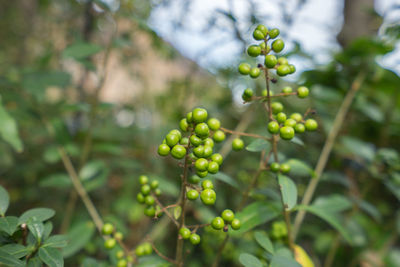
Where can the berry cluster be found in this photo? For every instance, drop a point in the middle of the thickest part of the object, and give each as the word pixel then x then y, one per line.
pixel 143 249
pixel 185 234
pixel 227 218
pixel 147 196
pixel 112 236
pixel 207 195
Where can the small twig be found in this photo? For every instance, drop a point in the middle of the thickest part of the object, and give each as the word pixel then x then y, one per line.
pixel 160 254
pixel 220 250
pixel 245 134
pixel 197 226
pixel 271 96
pixel 165 210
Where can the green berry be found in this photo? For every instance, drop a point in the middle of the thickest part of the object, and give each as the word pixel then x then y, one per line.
pixel 247 94
pixel 145 189
pixel 207 184
pixel 258 35
pixel 270 61
pixel 214 124
pixel 199 115
pixel 276 107
pixel 195 140
pixel 198 151
pixel 139 251
pixel 297 117
pixel 120 254
pixel 194 239
pixel 147 248
pixel 208 150
pixel 228 216
pixel 143 179
pixel 140 198
pixel 163 150
pixel 107 229
pixel 262 29
pixel 285 168
pixel 283 61
pixel 110 243
pixel 154 184
pixel 287 90
pixel 150 211
pixel 265 92
pixel 157 192
pixel 213 167
pixel 273 127
pixel 302 92
pixel 202 130
pixel 172 139
pixel 278 45
pixel 208 196
pixel 177 132
pixel 149 200
pixel 202 174
pixel 184 125
pixel 255 72
pixel 244 68
pixel 189 117
pixel 217 158
pixel 122 263
pixel 217 223
pixel 118 236
pixel 290 122
pixel 292 68
pixel 299 128
pixel 184 141
pixel 185 233
pixel 192 194
pixel 273 33
pixel 178 152
pixel 275 166
pixel 286 132
pixel 283 70
pixel 235 224
pixel 281 117
pixel 208 142
pixel 201 164
pixel 311 125
pixel 194 179
pixel 254 50
pixel 237 144
pixel 219 136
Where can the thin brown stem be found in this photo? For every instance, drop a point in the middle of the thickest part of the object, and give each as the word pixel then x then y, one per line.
pixel 165 210
pixel 162 255
pixel 326 150
pixel 220 250
pixel 244 134
pixel 332 251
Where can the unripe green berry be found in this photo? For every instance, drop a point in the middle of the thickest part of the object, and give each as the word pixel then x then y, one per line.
pixel 149 200
pixel 163 150
pixel 139 251
pixel 235 224
pixel 201 164
pixel 199 115
pixel 214 124
pixel 278 45
pixel 213 167
pixel 177 132
pixel 299 128
pixel 140 198
pixel 286 132
pixel 276 107
pixel 208 142
pixel 255 72
pixel 195 239
pixel 120 254
pixel 208 150
pixel 192 194
pixel 107 229
pixel 237 144
pixel 178 152
pixel 195 140
pixel 202 130
pixel 290 122
pixel 145 189
pixel 184 125
pixel 172 139
pixel 283 61
pixel 302 92
pixel 198 151
pixel 110 243
pixel 228 215
pixel 292 68
pixel 189 117
pixel 122 263
pixel 202 174
pixel 285 168
pixel 217 223
pixel 273 33
pixel 270 61
pixel 258 35
pixel 118 236
pixel 157 192
pixel 287 90
pixel 219 136
pixel 217 158
pixel 194 179
pixel 262 29
pixel 185 233
pixel 275 166
pixel 297 117
pixel 273 127
pixel 247 94
pixel 281 117
pixel 311 125
pixel 254 50
pixel 207 184
pixel 184 141
pixel 244 68
pixel 154 184
pixel 147 248
pixel 208 196
pixel 283 70
pixel 150 211
pixel 143 179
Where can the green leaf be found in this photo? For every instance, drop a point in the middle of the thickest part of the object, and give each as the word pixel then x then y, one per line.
pixel 10 260
pixel 358 148
pixel 51 256
pixel 4 201
pixel 35 262
pixel 41 214
pixel 264 241
pixel 94 174
pixel 78 237
pixel 9 130
pixel 81 50
pixel 57 180
pixel 56 241
pixel 255 214
pixel 289 191
pixel 177 212
pixel 225 178
pixel 9 224
pixel 258 145
pixel 249 260
pixel 48 227
pixel 332 203
pixel 16 250
pixel 297 141
pixel 300 168
pixel 36 228
pixel 281 261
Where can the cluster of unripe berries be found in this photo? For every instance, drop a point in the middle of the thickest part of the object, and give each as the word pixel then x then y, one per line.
pixel 227 218
pixel 280 64
pixel 207 195
pixel 202 134
pixel 112 236
pixel 185 234
pixel 147 194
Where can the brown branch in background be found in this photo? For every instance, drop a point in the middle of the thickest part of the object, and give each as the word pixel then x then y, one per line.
pixel 165 210
pixel 244 134
pixel 160 254
pixel 220 250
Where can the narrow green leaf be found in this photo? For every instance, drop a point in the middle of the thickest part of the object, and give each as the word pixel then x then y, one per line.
pixel 177 212
pixel 81 50
pixel 4 201
pixel 225 178
pixel 332 203
pixel 300 168
pixel 297 141
pixel 35 262
pixel 57 180
pixel 280 261
pixel 41 214
pixel 9 224
pixel 289 191
pixel 56 241
pixel 36 228
pixel 10 260
pixel 9 130
pixel 249 260
pixel 258 145
pixel 78 237
pixel 264 241
pixel 51 256
pixel 16 250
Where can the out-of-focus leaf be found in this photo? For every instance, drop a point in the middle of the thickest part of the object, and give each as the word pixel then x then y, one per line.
pixel 264 241
pixel 36 228
pixel 40 214
pixel 297 141
pixel 15 250
pixel 395 189
pixel 177 212
pixel 225 178
pixel 58 180
pixel 81 50
pixel 94 175
pixel 56 241
pixel 10 260
pixel 9 129
pixel 78 237
pixel 298 167
pixel 258 145
pixel 289 191
pixel 8 224
pixel 369 209
pixel 51 256
pixel 281 261
pixel 332 203
pixel 358 148
pixel 249 260
pixel 4 201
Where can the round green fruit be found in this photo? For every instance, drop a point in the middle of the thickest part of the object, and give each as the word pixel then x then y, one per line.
pixel 172 139
pixel 217 223
pixel 195 239
pixel 219 136
pixel 247 94
pixel 235 224
pixel 214 124
pixel 311 125
pixel 185 233
pixel 208 196
pixel 194 179
pixel 255 72
pixel 201 164
pixel 107 229
pixel 150 211
pixel 208 150
pixel 237 144
pixel 143 179
pixel 199 115
pixel 198 151
pixel 122 263
pixel 258 35
pixel 228 215
pixel 297 117
pixel 192 194
pixel 286 132
pixel 195 140
pixel 273 127
pixel 213 167
pixel 202 130
pixel 276 107
pixel 254 50
pixel 140 198
pixel 217 158
pixel 275 166
pixel 281 117
pixel 287 90
pixel 299 128
pixel 278 45
pixel 178 152
pixel 163 150
pixel 207 184
pixel 290 122
pixel 285 168
pixel 184 125
pixel 273 33
pixel 270 61
pixel 110 243
pixel 202 174
pixel 145 189
pixel 244 68
pixel 302 92
pixel 283 61
pixel 283 70
pixel 262 29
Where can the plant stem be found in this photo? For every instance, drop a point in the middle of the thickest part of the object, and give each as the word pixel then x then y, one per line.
pixel 326 150
pixel 244 134
pixel 220 249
